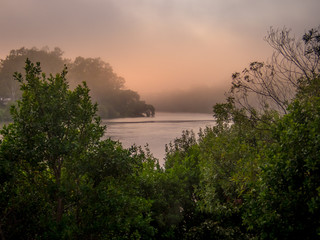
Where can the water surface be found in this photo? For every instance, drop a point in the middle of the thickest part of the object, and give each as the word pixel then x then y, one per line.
pixel 156 131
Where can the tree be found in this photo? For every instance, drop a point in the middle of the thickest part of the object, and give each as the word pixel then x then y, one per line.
pixel 107 200
pixel 101 78
pixel 52 127
pixel 59 180
pixel 271 86
pixel 285 204
pixel 108 89
pixel 14 62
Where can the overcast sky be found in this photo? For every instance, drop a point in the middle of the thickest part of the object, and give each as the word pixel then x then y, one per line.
pixel 156 45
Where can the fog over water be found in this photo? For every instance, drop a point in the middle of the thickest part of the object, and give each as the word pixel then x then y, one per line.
pixel 157 131
pixel 199 99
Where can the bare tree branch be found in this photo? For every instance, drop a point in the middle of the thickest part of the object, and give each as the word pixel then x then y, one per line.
pixel 272 85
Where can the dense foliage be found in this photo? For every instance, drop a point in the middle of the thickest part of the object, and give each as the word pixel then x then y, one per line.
pixel 107 88
pixel 257 171
pixel 254 175
pixel 59 180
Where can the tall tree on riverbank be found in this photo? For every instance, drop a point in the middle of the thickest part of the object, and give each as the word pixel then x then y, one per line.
pixel 58 179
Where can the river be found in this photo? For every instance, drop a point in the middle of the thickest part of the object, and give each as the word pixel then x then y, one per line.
pixel 156 131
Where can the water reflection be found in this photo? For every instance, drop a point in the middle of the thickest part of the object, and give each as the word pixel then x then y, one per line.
pixel 156 131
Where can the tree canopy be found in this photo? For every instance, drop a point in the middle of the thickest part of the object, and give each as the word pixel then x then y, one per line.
pixel 59 180
pixel 255 175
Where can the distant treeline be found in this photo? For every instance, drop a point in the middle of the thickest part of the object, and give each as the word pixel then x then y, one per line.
pixel 107 88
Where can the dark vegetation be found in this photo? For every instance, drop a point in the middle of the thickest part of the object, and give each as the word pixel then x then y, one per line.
pixel 255 175
pixel 107 88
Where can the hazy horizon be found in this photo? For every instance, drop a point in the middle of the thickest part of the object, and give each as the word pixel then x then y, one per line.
pixel 157 46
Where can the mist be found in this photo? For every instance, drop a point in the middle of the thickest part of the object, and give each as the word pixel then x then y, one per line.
pixel 199 99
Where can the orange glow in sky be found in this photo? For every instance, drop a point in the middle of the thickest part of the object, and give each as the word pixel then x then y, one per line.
pixel 156 45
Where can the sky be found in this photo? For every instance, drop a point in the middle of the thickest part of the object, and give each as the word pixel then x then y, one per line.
pixel 157 45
